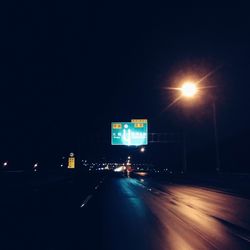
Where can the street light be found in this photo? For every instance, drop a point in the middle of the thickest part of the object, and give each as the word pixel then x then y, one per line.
pixel 142 150
pixel 189 89
pixel 35 167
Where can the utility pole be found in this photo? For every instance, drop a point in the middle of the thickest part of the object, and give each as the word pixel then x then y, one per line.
pixel 217 150
pixel 184 152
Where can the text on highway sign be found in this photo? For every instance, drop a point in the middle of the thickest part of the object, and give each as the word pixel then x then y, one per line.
pixel 134 133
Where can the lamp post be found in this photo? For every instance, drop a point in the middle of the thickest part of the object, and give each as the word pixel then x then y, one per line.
pixel 184 153
pixel 189 90
pixel 216 140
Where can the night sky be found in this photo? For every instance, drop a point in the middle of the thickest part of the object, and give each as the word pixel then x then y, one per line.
pixel 70 69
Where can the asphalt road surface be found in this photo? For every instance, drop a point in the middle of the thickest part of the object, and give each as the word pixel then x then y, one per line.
pixel 118 213
pixel 139 215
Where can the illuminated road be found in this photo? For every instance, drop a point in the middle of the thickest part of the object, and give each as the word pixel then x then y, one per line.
pixel 88 211
pixel 139 216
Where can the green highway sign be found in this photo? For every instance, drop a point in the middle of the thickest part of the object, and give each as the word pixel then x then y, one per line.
pixel 134 133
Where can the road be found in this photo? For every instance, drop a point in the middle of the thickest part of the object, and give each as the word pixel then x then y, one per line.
pixel 174 217
pixel 118 213
pixel 45 211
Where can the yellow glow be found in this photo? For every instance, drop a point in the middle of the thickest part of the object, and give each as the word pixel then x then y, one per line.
pixel 141 173
pixel 189 89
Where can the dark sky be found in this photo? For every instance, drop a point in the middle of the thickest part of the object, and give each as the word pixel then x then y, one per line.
pixel 69 69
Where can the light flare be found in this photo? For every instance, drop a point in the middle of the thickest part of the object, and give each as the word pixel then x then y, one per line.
pixel 189 89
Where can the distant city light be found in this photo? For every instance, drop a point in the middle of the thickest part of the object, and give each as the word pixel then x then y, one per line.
pixel 142 149
pixel 142 173
pixel 119 169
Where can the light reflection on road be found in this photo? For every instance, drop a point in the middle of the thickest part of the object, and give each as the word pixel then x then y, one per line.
pixel 193 217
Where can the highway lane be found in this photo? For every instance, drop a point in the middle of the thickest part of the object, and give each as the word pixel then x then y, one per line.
pixel 118 213
pixel 141 214
pixel 47 215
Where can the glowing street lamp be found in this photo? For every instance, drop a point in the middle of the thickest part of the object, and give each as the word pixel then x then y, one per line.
pixel 189 89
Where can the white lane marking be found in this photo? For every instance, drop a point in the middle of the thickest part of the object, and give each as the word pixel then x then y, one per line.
pixel 86 200
pixel 90 196
pixel 242 237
